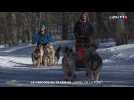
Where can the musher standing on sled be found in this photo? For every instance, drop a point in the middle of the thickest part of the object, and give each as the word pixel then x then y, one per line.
pixel 84 35
pixel 43 37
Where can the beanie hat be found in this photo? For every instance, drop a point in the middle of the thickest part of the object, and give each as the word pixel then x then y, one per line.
pixel 44 23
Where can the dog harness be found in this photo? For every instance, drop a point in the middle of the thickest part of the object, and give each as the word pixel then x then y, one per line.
pixel 80 53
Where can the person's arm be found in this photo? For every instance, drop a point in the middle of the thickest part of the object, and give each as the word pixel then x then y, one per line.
pixel 50 37
pixel 47 38
pixel 76 30
pixel 92 31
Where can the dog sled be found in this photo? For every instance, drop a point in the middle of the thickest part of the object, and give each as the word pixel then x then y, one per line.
pixel 82 59
pixel 82 50
pixel 79 60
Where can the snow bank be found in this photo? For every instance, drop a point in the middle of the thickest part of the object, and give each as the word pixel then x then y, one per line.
pixel 112 55
pixel 17 48
pixel 118 55
pixel 5 62
pixel 118 48
pixel 10 61
pixel 2 46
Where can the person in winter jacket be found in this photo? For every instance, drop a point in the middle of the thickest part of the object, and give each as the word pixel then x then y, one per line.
pixel 43 37
pixel 84 31
pixel 84 35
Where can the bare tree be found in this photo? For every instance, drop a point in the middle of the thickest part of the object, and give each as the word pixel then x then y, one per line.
pixel 121 35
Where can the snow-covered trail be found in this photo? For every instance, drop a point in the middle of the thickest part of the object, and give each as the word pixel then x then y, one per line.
pixel 109 77
pixel 16 66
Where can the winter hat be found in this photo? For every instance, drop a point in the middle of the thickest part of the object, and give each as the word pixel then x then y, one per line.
pixel 44 23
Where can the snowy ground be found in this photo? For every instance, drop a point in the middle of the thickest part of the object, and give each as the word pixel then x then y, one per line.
pixel 16 67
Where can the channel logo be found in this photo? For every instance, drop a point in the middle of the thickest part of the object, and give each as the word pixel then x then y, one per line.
pixel 115 19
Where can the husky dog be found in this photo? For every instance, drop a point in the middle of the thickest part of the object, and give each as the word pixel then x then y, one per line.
pixel 36 57
pixel 93 63
pixel 68 63
pixel 41 47
pixel 45 56
pixel 51 54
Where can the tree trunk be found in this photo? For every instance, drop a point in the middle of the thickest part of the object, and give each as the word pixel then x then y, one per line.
pixel 121 35
pixel 64 26
pixel 14 29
